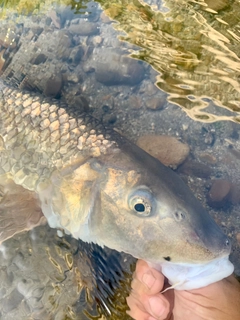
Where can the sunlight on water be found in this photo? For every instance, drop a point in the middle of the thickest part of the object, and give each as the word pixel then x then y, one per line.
pixel 44 276
pixel 195 48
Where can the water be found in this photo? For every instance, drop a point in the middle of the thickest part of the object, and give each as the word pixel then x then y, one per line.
pixel 185 84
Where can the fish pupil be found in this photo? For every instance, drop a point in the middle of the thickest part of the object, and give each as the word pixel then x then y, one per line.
pixel 139 207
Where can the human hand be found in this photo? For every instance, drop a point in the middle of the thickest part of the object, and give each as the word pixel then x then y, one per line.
pixel 218 301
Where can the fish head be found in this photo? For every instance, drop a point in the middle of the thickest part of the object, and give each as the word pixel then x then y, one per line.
pixel 143 208
pixel 129 201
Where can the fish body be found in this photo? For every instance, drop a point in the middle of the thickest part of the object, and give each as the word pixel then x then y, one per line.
pixel 96 185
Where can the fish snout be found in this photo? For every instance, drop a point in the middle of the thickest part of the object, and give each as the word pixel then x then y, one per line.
pixel 215 241
pixel 202 231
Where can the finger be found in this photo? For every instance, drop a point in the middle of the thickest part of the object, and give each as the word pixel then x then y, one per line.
pixel 157 306
pixel 144 307
pixel 151 279
pixel 136 309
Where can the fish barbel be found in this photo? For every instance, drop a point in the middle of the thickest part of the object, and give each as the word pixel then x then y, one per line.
pixel 94 184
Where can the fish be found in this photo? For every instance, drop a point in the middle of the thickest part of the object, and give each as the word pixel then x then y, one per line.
pixel 94 184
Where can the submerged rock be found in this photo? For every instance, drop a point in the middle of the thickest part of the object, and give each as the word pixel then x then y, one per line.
pixel 218 194
pixel 156 103
pixel 53 85
pixel 169 150
pixel 223 192
pixel 196 169
pixel 115 69
pixel 84 28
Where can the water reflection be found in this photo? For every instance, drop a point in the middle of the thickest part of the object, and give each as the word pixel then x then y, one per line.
pixel 194 45
pixel 46 277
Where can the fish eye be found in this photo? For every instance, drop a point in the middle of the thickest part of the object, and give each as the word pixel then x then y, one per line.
pixel 141 203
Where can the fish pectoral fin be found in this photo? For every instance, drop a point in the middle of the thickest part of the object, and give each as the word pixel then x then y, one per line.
pixel 19 210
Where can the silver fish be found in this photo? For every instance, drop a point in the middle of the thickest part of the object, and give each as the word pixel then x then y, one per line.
pixel 96 185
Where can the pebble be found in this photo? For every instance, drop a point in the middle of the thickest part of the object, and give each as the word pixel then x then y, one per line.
pixel 234 195
pixel 217 5
pixel 156 103
pixel 82 103
pixel 64 44
pixel 238 237
pixel 38 59
pixel 97 40
pixel 218 195
pixel 135 102
pixel 37 30
pixel 55 19
pixel 2 60
pixel 76 55
pixel 206 157
pixel 7 39
pixel 104 18
pixel 169 150
pixel 85 28
pixel 114 69
pixel 12 301
pixel 223 192
pixel 53 86
pixel 72 77
pixel 196 169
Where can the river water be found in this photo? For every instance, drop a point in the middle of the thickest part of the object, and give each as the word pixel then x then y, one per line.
pixel 143 68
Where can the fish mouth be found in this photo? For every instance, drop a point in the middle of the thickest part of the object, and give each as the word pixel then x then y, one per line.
pixel 187 276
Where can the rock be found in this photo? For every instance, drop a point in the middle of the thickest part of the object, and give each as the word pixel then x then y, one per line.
pixel 104 18
pixel 64 44
pixel 110 119
pixel 156 103
pixel 194 168
pixel 53 86
pixel 223 192
pixel 13 300
pixel 55 19
pixel 37 30
pixel 238 237
pixel 234 195
pixel 114 69
pixel 206 157
pixel 38 59
pixel 8 39
pixel 84 28
pixel 73 77
pixel 2 60
pixel 169 150
pixel 97 40
pixel 76 55
pixel 81 103
pixel 218 195
pixel 135 102
pixel 151 89
pixel 217 4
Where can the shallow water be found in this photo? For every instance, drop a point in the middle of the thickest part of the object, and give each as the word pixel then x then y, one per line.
pixel 191 52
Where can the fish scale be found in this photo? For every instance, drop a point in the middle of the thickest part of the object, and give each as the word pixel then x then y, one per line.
pixel 41 132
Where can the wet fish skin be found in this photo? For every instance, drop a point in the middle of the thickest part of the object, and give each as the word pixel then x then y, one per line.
pixel 96 185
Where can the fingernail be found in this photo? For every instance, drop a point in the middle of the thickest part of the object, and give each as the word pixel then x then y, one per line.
pixel 156 306
pixel 148 279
